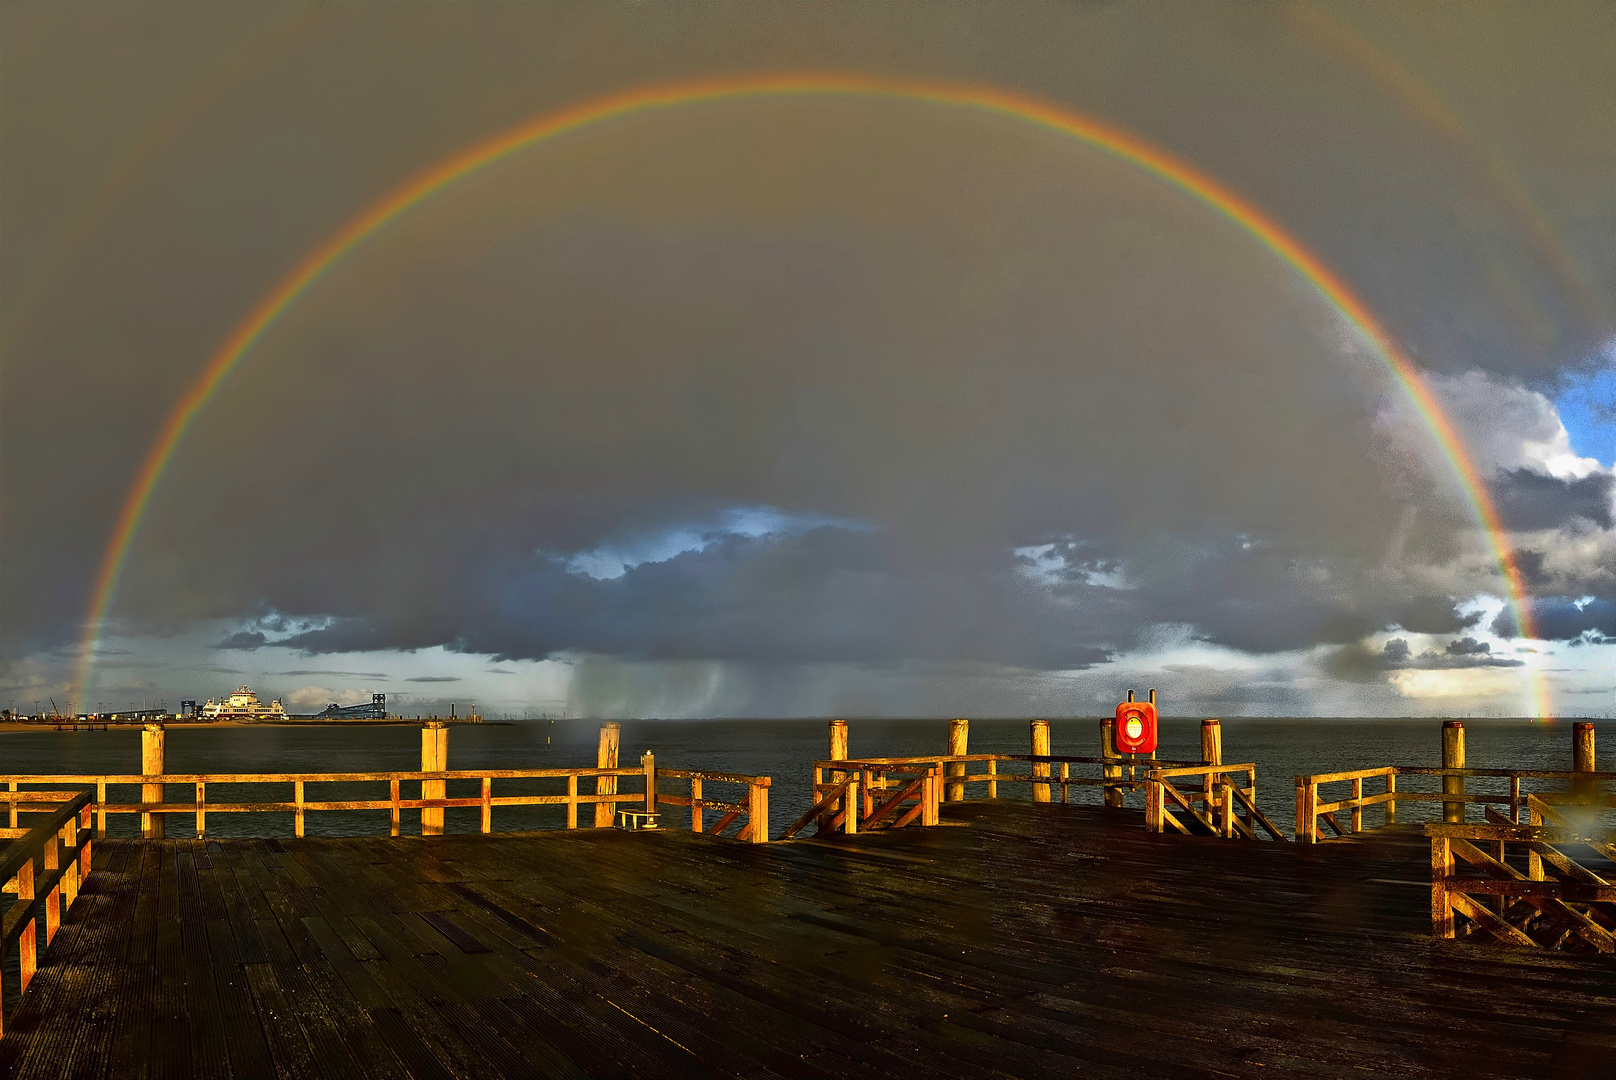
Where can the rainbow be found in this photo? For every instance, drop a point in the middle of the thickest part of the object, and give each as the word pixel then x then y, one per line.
pixel 983 99
pixel 1429 107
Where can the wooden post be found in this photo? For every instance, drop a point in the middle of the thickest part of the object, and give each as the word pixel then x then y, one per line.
pixel 838 747
pixel 84 855
pixel 151 764
pixel 13 805
pixel 488 804
pixel 70 875
pixel 297 798
pixel 648 763
pixel 1391 804
pixel 572 800
pixel 758 812
pixel 958 740
pixel 1453 757
pixel 1040 748
pixel 1582 761
pixel 695 804
pixel 850 806
pixel 1307 820
pixel 28 943
pixel 393 812
pixel 1357 804
pixel 1515 798
pixel 1065 775
pixel 1108 750
pixel 606 758
pixel 1155 803
pixel 993 785
pixel 1441 903
pixel 1226 808
pixel 1211 754
pixel 1534 861
pixel 53 899
pixel 100 808
pixel 931 815
pixel 434 758
pixel 201 809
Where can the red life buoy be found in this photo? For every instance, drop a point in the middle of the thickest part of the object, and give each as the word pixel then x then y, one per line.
pixel 1136 727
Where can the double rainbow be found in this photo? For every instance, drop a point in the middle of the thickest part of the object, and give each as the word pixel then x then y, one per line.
pixel 1119 144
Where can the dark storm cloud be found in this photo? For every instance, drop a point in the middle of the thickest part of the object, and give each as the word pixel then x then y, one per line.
pixel 1530 500
pixel 1433 615
pixel 966 337
pixel 1562 618
pixel 344 674
pixel 243 639
pixel 433 678
pixel 1356 663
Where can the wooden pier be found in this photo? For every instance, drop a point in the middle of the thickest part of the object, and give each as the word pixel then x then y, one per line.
pixel 906 931
pixel 1013 940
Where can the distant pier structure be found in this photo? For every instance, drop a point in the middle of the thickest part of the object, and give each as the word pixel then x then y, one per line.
pixel 375 710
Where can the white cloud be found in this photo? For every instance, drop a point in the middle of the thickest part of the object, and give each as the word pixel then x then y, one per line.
pixel 1508 426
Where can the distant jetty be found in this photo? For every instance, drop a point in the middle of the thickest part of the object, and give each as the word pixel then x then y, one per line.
pixel 241 707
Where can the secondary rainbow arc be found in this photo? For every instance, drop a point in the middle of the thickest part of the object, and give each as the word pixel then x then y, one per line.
pixel 1114 141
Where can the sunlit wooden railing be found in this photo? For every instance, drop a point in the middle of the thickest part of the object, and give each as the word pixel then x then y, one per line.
pixel 868 785
pixel 1458 791
pixel 749 815
pixel 42 868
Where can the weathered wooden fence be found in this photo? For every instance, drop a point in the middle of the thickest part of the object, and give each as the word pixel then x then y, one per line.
pixel 1517 883
pixel 748 815
pixel 41 867
pixel 1227 800
pixel 898 791
pixel 1508 789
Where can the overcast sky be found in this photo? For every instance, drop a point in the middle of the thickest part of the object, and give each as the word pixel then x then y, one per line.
pixel 804 407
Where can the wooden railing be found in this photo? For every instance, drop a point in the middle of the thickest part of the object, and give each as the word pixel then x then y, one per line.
pixel 875 793
pixel 42 867
pixel 1455 796
pixel 1228 806
pixel 1555 902
pixel 898 791
pixel 754 808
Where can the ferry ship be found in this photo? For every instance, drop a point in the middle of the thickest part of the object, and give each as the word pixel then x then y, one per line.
pixel 243 705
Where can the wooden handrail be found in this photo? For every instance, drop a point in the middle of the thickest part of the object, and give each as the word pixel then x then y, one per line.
pixel 1310 809
pixel 32 867
pixel 944 759
pixel 837 791
pixel 1203 770
pixel 1437 770
pixel 1220 800
pixel 754 807
pixel 335 778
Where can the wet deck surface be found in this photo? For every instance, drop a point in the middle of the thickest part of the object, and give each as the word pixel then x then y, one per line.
pixel 1047 942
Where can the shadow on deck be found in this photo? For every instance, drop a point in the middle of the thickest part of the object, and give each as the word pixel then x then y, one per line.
pixel 1036 942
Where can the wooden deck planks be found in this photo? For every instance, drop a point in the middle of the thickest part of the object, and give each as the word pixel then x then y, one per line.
pixel 1045 941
